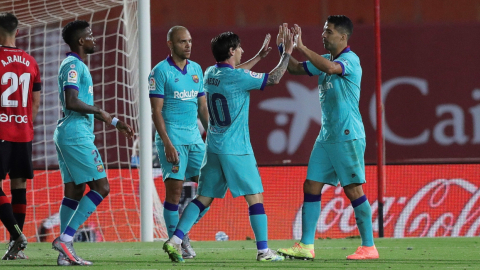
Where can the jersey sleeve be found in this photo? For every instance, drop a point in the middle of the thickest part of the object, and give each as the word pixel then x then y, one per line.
pixel 249 80
pixel 201 92
pixel 156 84
pixel 347 64
pixel 37 82
pixel 311 69
pixel 71 75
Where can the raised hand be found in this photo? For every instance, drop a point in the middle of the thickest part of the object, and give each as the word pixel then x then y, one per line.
pixel 125 129
pixel 280 33
pixel 297 36
pixel 288 41
pixel 265 49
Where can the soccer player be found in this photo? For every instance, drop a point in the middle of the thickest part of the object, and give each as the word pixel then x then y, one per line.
pixel 229 161
pixel 20 91
pixel 337 155
pixel 78 158
pixel 176 95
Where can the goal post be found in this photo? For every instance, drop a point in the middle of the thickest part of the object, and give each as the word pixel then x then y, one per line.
pixel 119 68
pixel 146 183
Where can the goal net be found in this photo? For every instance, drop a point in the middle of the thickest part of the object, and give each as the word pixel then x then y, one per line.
pixel 114 69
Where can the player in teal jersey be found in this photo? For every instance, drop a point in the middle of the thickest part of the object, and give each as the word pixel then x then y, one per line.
pixel 229 161
pixel 338 154
pixel 176 96
pixel 78 158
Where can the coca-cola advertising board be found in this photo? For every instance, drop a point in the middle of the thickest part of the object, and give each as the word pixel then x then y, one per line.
pixel 431 95
pixel 420 201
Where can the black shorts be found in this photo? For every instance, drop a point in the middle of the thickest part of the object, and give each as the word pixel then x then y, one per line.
pixel 16 160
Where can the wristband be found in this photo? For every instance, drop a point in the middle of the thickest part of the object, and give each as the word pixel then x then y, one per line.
pixel 280 48
pixel 114 121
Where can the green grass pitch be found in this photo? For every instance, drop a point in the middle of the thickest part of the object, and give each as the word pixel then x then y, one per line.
pixel 409 253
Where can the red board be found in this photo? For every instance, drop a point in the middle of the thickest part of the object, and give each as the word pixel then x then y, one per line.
pixel 420 200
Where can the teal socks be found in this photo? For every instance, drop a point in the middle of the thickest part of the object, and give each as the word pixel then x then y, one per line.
pixel 363 216
pixel 310 214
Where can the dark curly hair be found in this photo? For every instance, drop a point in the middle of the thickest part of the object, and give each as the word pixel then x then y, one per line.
pixel 72 31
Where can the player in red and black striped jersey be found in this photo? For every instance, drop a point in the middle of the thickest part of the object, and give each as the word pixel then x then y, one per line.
pixel 19 101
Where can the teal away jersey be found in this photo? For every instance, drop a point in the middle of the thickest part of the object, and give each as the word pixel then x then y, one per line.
pixel 228 99
pixel 179 90
pixel 339 99
pixel 74 128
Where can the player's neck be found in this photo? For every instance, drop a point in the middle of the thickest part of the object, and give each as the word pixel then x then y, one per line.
pixel 80 52
pixel 179 61
pixel 230 61
pixel 7 41
pixel 338 50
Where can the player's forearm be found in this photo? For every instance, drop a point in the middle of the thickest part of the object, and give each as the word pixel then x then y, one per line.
pixel 159 123
pixel 79 106
pixel 98 116
pixel 250 63
pixel 276 74
pixel 318 61
pixel 294 66
pixel 35 104
pixel 203 114
pixel 35 111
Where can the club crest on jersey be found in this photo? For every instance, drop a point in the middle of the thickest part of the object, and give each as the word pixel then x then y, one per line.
pixel 195 78
pixel 256 75
pixel 177 79
pixel 72 76
pixel 151 84
pixel 100 168
pixel 175 168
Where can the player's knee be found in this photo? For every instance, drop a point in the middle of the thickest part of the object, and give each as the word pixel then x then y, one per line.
pixel 312 187
pixel 173 196
pixel 77 194
pixel 105 190
pixel 353 191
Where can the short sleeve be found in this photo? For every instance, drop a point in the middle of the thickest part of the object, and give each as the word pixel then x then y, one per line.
pixel 347 64
pixel 250 80
pixel 311 69
pixel 37 78
pixel 201 92
pixel 156 84
pixel 71 74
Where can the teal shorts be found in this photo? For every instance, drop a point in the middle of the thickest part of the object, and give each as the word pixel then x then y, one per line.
pixel 190 157
pixel 342 162
pixel 238 173
pixel 80 163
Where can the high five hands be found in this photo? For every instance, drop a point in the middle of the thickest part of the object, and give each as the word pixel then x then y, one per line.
pixel 296 31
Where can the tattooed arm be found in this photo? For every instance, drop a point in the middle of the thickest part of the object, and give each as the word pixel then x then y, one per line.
pixel 276 74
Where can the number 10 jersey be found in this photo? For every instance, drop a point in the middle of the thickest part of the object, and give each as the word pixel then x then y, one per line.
pixel 228 100
pixel 19 76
